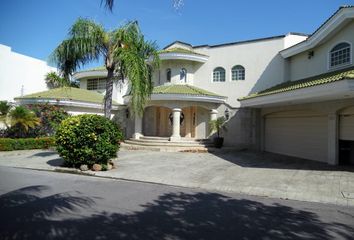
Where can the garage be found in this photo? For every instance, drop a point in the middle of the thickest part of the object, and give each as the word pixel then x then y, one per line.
pixel 346 136
pixel 300 134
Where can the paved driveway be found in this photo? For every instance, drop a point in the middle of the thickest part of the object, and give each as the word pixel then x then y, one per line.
pixel 238 172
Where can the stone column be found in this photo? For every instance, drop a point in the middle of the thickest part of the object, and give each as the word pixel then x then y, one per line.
pixel 333 139
pixel 213 116
pixel 138 127
pixel 176 113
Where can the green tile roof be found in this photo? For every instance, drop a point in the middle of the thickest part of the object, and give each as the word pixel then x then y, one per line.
pixel 184 90
pixel 180 50
pixel 347 73
pixel 67 93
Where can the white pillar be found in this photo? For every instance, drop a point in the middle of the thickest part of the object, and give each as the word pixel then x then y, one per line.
pixel 332 139
pixel 138 127
pixel 213 114
pixel 176 113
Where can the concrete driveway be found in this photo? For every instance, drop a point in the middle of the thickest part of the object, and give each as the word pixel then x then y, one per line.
pixel 227 171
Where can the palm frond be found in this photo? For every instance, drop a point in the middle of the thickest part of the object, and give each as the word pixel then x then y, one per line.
pixel 108 4
pixel 132 57
pixel 23 117
pixel 86 42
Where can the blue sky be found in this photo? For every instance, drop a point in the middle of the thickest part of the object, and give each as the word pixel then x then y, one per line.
pixel 36 27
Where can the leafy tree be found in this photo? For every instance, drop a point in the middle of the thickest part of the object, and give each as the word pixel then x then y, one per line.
pixel 53 80
pixel 22 119
pixel 125 53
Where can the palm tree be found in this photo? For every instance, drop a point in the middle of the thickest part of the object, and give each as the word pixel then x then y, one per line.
pixel 23 118
pixel 53 80
pixel 110 3
pixel 125 53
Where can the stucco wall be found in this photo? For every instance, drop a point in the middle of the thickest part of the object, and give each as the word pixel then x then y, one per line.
pixel 301 66
pixel 20 74
pixel 119 89
pixel 263 68
pixel 175 66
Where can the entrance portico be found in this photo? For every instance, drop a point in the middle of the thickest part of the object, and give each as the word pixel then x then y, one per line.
pixel 178 116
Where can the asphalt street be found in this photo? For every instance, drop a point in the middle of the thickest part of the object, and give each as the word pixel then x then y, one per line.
pixel 49 205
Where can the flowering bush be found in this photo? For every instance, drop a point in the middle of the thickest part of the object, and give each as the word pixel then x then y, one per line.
pixel 87 139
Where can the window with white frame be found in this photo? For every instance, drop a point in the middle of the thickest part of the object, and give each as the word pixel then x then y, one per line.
pixel 219 74
pixel 168 74
pixel 238 73
pixel 96 84
pixel 183 75
pixel 340 55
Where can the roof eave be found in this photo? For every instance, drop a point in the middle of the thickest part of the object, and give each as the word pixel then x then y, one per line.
pixel 331 24
pixel 330 91
pixel 63 102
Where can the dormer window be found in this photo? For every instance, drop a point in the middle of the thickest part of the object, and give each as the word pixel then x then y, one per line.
pixel 168 75
pixel 219 74
pixel 340 55
pixel 183 75
pixel 238 73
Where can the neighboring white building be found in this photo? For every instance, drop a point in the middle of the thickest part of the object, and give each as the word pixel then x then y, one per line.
pixel 20 74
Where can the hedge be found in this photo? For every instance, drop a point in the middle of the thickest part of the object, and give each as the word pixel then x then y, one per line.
pixel 10 144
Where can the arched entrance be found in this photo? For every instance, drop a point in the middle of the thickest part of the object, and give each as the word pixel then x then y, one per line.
pixel 158 121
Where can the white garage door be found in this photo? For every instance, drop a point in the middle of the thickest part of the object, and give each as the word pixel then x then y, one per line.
pixel 346 124
pixel 298 134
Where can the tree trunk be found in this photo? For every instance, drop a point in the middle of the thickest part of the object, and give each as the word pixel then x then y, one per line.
pixel 109 92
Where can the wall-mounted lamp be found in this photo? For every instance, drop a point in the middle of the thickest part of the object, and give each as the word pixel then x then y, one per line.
pixel 310 54
pixel 227 113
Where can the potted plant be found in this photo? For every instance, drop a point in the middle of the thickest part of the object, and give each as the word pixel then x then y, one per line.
pixel 217 126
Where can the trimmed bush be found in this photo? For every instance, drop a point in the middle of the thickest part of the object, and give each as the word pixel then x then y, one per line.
pixel 10 144
pixel 87 139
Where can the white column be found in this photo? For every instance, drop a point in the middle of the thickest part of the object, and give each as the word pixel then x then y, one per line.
pixel 332 139
pixel 213 114
pixel 176 113
pixel 138 127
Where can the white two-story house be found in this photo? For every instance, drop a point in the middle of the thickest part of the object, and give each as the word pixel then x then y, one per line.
pixel 291 94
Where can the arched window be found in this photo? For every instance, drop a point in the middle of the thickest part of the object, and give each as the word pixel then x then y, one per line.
pixel 340 55
pixel 238 73
pixel 183 75
pixel 168 75
pixel 219 74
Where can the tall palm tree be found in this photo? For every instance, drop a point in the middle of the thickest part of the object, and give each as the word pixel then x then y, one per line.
pixel 125 53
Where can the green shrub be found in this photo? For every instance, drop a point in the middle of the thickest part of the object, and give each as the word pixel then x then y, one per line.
pixel 87 139
pixel 10 144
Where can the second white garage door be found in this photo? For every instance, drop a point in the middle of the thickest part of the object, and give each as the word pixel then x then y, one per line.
pixel 298 134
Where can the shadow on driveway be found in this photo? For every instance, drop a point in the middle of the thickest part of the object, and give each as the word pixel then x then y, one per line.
pixel 27 215
pixel 252 159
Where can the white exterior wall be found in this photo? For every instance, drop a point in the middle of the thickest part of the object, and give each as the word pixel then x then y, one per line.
pixel 302 67
pixel 175 66
pixel 119 89
pixel 18 72
pixel 263 68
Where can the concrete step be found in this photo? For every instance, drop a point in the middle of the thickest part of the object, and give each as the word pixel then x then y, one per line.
pixel 166 143
pixel 199 149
